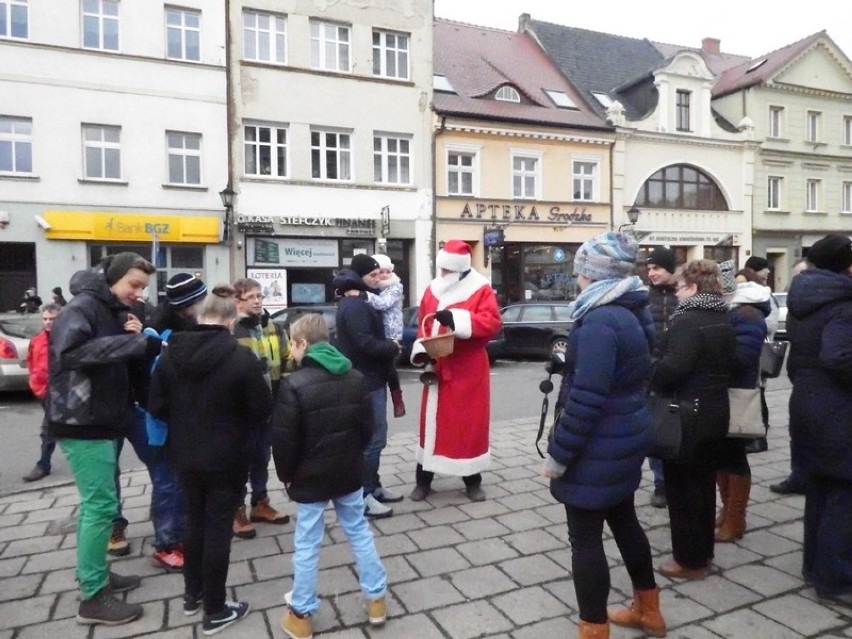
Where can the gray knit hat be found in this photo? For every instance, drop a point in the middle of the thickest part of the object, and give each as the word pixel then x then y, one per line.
pixel 606 256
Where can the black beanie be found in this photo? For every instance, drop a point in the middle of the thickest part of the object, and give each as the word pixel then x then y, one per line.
pixel 756 263
pixel 832 253
pixel 184 290
pixel 116 266
pixel 664 258
pixel 363 264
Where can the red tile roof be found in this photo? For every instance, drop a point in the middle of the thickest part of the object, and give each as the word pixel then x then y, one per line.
pixel 479 60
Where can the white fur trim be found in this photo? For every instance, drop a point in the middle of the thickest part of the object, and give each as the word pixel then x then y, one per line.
pixel 461 291
pixel 417 349
pixel 464 325
pixel 456 262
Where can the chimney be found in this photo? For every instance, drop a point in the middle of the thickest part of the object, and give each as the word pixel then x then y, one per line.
pixel 523 22
pixel 710 45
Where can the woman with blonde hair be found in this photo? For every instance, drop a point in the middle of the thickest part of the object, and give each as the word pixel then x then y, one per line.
pixel 695 368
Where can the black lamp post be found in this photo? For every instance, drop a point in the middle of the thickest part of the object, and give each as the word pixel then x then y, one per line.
pixel 633 217
pixel 227 194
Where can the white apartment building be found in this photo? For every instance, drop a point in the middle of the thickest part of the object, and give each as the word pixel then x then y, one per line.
pixel 331 150
pixel 113 136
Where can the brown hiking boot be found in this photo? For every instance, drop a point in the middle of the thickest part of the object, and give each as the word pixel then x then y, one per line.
pixel 105 609
pixel 242 526
pixel 377 611
pixel 263 512
pixel 118 545
pixel 297 626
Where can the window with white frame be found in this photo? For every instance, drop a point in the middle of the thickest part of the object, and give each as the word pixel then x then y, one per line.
pixel 525 175
pixel 16 145
pixel 390 54
pixel 391 158
pixel 100 24
pixel 101 152
pixel 846 197
pixel 331 155
pixel 584 177
pixel 460 172
pixel 812 188
pixel 329 46
pixel 847 130
pixel 682 110
pixel 183 34
pixel 776 121
pixel 773 193
pixel 813 120
pixel 265 150
pixel 184 150
pixel 14 19
pixel 507 94
pixel 264 37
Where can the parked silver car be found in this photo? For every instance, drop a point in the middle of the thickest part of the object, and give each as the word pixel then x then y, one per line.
pixel 16 329
pixel 781 332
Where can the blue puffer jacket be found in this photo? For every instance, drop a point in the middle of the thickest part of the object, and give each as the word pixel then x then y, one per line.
pixel 819 326
pixel 749 322
pixel 604 431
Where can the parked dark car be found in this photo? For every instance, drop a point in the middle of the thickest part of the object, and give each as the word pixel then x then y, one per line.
pixel 287 316
pixel 410 324
pixel 532 329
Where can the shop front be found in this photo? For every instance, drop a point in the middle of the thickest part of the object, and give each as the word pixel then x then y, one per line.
pixel 173 243
pixel 526 248
pixel 296 258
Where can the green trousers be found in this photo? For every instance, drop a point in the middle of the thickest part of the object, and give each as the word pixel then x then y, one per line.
pixel 92 463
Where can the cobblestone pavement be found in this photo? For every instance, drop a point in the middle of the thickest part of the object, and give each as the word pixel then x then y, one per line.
pixel 496 569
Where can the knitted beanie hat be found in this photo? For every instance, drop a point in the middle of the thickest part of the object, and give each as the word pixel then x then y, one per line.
pixel 606 256
pixel 756 263
pixel 664 258
pixel 363 264
pixel 832 253
pixel 184 290
pixel 728 276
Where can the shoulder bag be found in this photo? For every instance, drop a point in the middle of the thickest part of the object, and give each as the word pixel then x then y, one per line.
pixel 672 422
pixel 772 358
pixel 746 418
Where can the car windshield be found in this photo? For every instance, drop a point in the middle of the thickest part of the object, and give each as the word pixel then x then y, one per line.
pixel 21 326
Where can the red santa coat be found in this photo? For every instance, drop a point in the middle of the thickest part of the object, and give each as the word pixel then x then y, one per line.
pixel 455 413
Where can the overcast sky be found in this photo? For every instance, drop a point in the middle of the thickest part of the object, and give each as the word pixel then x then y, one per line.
pixel 745 27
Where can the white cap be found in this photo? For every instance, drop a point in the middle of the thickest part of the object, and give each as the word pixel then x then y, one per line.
pixel 384 261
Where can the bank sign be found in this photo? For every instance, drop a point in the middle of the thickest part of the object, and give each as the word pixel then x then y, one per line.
pixel 292 252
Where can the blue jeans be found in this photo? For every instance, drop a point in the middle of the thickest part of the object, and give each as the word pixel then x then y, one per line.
pixel 310 530
pixel 168 514
pixel 373 452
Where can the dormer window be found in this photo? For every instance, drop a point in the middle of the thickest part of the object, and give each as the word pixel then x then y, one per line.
pixel 441 84
pixel 683 109
pixel 756 65
pixel 604 100
pixel 507 94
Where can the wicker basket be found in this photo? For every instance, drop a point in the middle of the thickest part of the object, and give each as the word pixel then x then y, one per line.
pixel 439 345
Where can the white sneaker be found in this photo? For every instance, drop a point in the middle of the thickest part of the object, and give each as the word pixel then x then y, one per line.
pixel 385 496
pixel 375 509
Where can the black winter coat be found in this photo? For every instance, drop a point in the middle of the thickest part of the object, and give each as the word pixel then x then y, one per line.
pixel 662 303
pixel 89 391
pixel 211 392
pixel 696 366
pixel 321 425
pixel 361 333
pixel 819 327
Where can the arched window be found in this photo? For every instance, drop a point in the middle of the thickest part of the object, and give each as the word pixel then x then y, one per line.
pixel 508 94
pixel 681 187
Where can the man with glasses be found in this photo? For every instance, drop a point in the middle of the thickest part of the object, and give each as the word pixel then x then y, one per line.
pixel 270 343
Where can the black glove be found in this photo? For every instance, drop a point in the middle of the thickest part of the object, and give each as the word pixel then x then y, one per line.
pixel 446 319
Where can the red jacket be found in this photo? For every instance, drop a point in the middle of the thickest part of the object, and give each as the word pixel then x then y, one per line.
pixel 37 363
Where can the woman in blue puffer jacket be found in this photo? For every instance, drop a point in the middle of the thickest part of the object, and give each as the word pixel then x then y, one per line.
pixel 602 437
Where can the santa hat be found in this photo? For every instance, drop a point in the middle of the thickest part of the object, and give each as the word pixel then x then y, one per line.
pixel 454 256
pixel 384 261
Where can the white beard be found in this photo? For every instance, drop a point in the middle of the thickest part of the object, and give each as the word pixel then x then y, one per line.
pixel 443 283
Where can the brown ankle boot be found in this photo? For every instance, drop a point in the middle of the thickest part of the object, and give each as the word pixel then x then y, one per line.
pixel 398 404
pixel 588 630
pixel 644 613
pixel 722 481
pixel 734 526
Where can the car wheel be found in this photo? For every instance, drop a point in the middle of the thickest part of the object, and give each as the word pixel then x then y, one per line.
pixel 559 345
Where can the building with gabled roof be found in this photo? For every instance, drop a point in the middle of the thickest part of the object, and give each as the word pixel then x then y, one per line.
pixel 522 161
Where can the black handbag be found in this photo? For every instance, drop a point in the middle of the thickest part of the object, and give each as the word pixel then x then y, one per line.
pixel 772 358
pixel 672 426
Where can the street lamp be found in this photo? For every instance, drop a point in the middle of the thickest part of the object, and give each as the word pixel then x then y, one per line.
pixel 633 217
pixel 227 194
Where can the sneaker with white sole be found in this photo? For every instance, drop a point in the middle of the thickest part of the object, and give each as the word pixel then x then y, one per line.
pixel 233 612
pixel 192 604
pixel 385 496
pixel 375 509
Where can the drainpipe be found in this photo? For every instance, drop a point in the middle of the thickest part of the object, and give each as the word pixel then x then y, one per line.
pixel 231 131
pixel 434 239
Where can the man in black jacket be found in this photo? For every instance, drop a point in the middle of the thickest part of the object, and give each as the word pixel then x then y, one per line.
pixel 89 403
pixel 361 338
pixel 661 265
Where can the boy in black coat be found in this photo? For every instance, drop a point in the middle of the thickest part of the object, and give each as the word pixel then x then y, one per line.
pixel 211 392
pixel 321 423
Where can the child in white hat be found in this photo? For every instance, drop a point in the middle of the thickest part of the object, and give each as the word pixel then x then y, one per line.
pixel 389 303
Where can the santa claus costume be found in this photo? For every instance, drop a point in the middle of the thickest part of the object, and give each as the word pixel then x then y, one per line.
pixel 455 409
